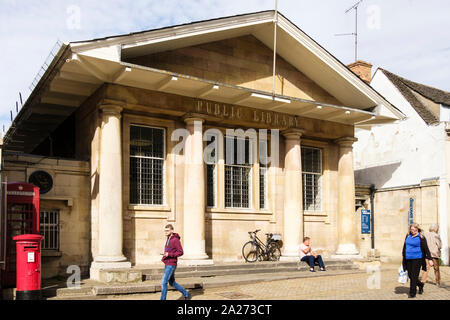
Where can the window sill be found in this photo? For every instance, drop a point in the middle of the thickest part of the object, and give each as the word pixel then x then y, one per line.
pixel 238 211
pixel 51 253
pixel 238 215
pixel 315 213
pixel 135 207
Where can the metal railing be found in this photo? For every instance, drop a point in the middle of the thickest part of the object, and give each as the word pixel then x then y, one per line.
pixel 46 64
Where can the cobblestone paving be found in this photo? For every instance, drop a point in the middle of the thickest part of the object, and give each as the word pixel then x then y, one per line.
pixel 361 286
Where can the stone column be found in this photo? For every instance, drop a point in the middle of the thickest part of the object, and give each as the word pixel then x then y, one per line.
pixel 293 195
pixel 346 220
pixel 110 224
pixel 194 194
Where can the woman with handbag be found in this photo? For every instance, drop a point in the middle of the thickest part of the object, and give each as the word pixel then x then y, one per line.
pixel 415 253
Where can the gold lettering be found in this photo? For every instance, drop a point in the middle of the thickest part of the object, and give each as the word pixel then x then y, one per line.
pixel 275 119
pixel 208 107
pixel 199 105
pixel 238 113
pixel 268 118
pixel 291 121
pixel 225 110
pixel 216 109
pixel 255 116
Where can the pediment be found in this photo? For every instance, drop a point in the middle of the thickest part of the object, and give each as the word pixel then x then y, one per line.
pixel 241 61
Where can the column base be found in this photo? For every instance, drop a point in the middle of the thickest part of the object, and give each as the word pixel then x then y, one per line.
pixel 108 259
pixel 290 254
pixel 195 260
pixel 347 257
pixel 94 272
pixel 291 258
pixel 347 252
pixel 347 249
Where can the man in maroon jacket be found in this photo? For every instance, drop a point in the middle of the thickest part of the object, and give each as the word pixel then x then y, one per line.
pixel 172 250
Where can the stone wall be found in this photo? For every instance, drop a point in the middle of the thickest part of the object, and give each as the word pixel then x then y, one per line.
pixel 70 195
pixel 391 217
pixel 226 229
pixel 243 61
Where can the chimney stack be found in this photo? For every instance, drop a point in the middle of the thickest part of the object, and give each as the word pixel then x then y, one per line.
pixel 362 69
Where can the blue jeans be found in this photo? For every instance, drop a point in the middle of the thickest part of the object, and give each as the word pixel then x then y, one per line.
pixel 169 277
pixel 311 260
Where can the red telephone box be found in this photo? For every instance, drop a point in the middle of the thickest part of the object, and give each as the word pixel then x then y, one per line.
pixel 21 217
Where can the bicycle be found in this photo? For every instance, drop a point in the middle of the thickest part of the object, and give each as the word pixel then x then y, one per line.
pixel 256 250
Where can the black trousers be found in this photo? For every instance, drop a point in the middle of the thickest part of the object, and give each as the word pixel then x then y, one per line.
pixel 413 266
pixel 311 261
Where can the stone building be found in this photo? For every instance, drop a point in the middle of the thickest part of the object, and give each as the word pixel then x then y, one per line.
pixel 407 162
pixel 108 117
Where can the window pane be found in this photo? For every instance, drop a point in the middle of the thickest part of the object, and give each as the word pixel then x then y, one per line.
pixel 311 160
pixel 146 165
pixel 237 151
pixel 146 142
pixel 49 229
pixel 312 173
pixel 228 186
pixel 210 185
pixel 262 186
pixel 237 191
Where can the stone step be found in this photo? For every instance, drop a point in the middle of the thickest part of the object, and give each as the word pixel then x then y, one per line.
pixel 138 274
pixel 157 274
pixel 228 266
pixel 99 290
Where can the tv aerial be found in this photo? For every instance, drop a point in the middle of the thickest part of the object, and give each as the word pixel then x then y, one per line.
pixel 355 34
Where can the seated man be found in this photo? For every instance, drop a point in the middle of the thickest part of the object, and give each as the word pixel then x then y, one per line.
pixel 307 255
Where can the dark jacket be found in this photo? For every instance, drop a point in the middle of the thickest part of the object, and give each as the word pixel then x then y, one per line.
pixel 174 249
pixel 425 252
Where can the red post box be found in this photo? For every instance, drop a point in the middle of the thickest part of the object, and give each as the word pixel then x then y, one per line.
pixel 28 271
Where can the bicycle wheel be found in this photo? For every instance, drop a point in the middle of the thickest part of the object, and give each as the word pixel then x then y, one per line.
pixel 273 253
pixel 250 252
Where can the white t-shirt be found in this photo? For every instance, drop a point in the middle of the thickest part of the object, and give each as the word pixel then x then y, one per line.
pixel 304 247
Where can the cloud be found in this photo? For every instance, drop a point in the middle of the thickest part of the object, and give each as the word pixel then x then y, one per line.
pixel 412 38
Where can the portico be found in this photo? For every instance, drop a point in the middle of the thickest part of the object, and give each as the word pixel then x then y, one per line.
pixel 142 125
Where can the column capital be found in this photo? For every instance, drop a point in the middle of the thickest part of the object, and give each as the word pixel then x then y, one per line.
pixel 292 133
pixel 111 109
pixel 346 141
pixel 190 117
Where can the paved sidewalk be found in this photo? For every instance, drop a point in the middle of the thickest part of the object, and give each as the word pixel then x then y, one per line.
pixel 362 286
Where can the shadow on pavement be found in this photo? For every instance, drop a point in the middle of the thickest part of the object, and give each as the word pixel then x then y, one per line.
pixel 402 290
pixel 193 292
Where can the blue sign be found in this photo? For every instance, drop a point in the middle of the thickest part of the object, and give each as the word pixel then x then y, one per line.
pixel 365 221
pixel 411 211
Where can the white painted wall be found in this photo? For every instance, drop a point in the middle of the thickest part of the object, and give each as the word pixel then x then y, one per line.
pixel 399 154
pixel 406 152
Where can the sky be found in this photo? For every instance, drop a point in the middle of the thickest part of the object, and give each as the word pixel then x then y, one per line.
pixel 410 38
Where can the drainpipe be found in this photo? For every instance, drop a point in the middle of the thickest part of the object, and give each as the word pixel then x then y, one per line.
pixel 372 211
